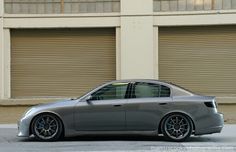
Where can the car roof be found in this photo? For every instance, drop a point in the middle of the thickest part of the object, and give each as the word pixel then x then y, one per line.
pixel 141 80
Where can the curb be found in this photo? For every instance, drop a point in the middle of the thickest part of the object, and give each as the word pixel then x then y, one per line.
pixel 11 126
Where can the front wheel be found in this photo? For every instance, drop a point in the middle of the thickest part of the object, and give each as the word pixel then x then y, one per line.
pixel 177 127
pixel 47 127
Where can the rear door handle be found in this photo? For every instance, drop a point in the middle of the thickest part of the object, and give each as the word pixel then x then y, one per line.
pixel 117 105
pixel 162 103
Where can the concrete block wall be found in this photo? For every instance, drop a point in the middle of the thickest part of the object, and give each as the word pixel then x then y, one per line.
pixel 60 6
pixel 193 5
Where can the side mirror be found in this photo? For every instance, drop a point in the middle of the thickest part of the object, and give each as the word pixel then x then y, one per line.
pixel 88 99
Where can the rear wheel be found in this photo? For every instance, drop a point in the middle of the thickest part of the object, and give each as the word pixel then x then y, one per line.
pixel 47 127
pixel 177 127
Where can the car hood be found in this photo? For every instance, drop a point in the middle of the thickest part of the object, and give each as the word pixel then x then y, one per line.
pixel 53 105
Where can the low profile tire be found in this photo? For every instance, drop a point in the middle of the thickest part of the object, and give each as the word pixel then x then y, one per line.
pixel 177 127
pixel 47 127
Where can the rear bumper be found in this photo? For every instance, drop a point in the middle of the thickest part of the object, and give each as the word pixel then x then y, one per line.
pixel 214 124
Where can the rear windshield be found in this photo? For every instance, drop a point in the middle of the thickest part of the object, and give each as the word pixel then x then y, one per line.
pixel 181 87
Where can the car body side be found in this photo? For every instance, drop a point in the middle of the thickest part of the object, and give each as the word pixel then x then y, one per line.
pixel 143 112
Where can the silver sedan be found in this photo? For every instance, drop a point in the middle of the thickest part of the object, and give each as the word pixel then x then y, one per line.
pixel 148 107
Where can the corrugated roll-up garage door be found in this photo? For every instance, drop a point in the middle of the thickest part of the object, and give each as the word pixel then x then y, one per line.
pixel 202 59
pixel 60 62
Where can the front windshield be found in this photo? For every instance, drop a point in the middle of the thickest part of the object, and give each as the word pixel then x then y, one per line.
pixel 87 92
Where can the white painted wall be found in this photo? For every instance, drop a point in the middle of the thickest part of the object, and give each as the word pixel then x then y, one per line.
pixel 136 7
pixel 210 18
pixel 137 39
pixel 61 21
pixel 137 47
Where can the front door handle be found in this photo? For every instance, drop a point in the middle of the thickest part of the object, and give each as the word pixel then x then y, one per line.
pixel 117 105
pixel 162 103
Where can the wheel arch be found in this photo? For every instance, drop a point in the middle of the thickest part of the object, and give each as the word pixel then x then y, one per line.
pixel 51 113
pixel 175 112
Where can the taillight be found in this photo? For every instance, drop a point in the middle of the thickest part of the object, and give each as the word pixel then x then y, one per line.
pixel 211 104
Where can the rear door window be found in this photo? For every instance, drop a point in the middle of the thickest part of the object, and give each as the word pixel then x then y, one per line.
pixel 149 90
pixel 165 91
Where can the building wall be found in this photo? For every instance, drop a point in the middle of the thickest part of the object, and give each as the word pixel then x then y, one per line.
pixel 136 39
pixel 136 34
pixel 61 6
pixel 193 5
pixel 137 28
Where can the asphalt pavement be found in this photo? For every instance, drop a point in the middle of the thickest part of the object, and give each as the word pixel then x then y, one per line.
pixel 225 141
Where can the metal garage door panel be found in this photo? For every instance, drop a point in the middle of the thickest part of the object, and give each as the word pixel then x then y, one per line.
pixel 63 62
pixel 202 59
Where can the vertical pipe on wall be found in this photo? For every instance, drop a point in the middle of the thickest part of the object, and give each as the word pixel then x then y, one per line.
pixel 155 51
pixel 7 63
pixel 4 56
pixel 1 8
pixel 1 52
pixel 212 4
pixel 62 6
pixel 118 54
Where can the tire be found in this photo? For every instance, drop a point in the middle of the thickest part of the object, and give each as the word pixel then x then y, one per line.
pixel 177 127
pixel 47 127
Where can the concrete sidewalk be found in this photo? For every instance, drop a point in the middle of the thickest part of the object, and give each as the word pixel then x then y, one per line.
pixel 10 126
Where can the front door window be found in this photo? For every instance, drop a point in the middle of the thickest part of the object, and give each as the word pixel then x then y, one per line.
pixel 111 92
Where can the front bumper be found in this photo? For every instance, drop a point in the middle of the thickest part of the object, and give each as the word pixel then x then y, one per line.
pixel 23 128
